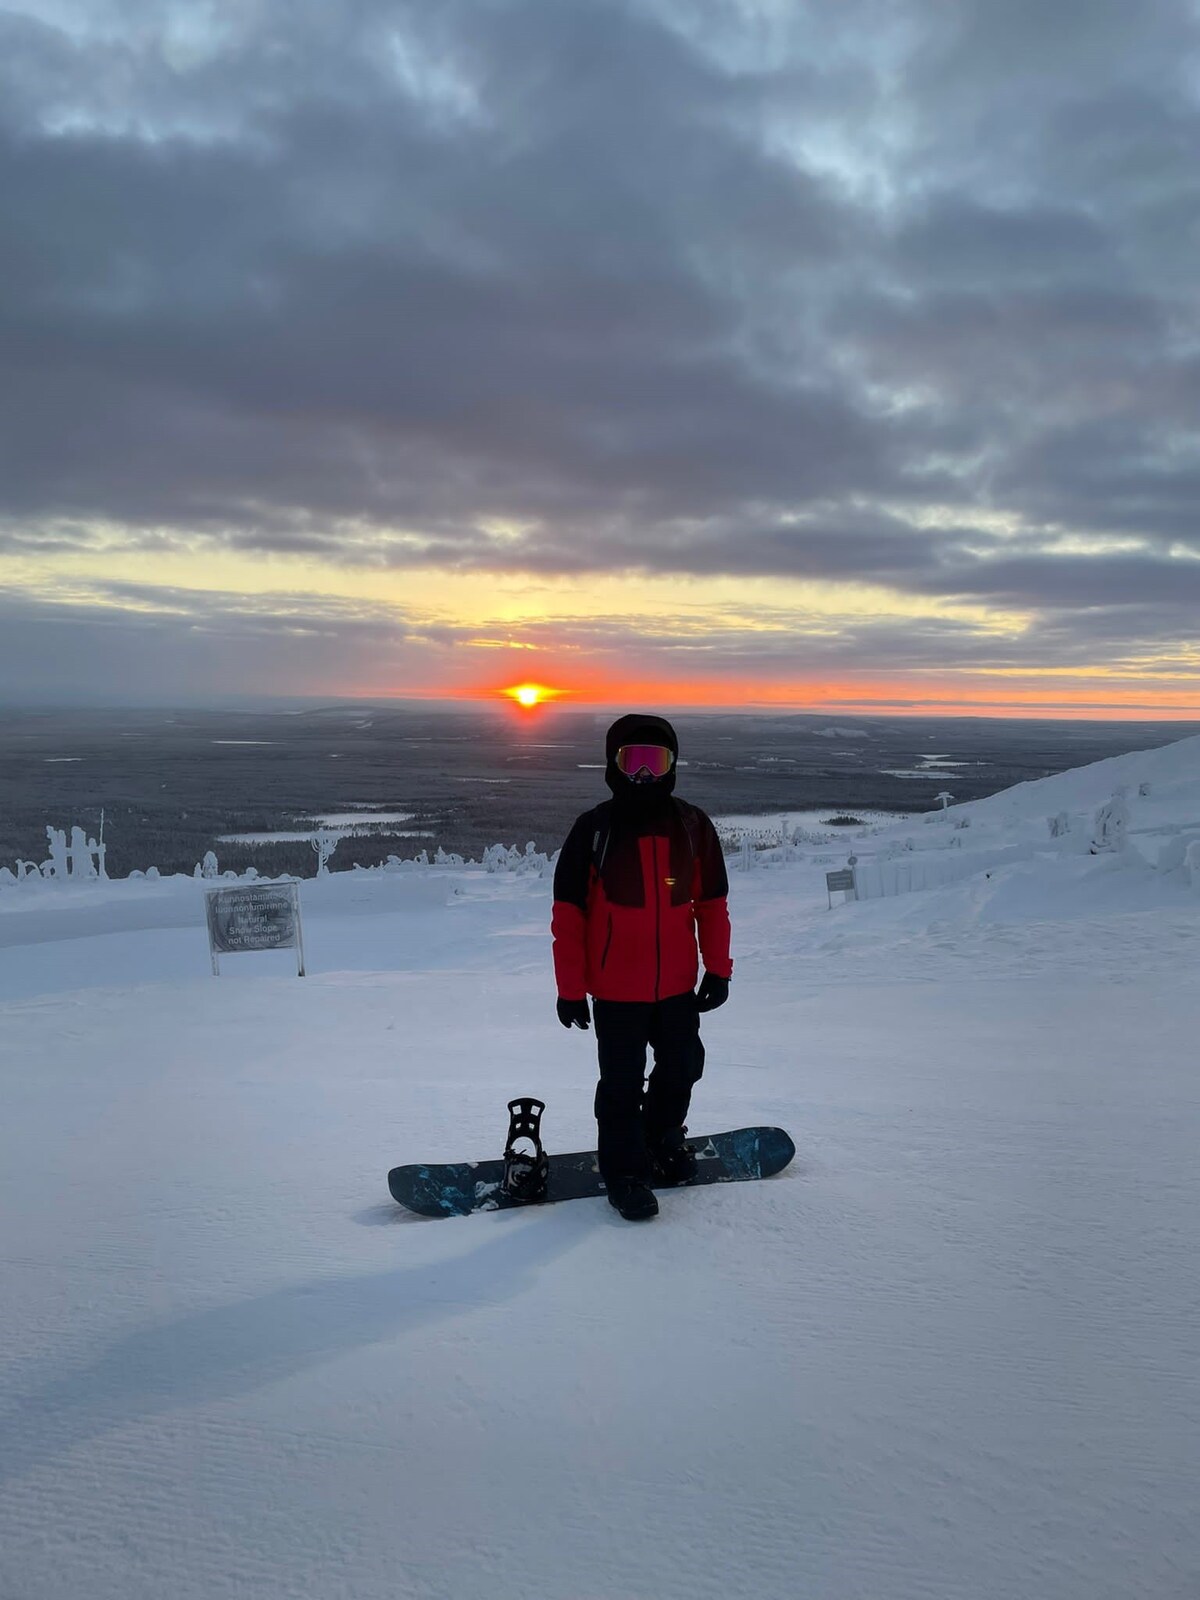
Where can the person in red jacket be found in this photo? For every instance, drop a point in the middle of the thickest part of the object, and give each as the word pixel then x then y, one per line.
pixel 639 881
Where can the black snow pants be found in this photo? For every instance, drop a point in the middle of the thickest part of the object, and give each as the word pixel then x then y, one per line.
pixel 632 1116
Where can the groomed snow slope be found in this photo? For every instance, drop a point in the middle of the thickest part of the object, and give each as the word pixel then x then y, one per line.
pixel 953 1352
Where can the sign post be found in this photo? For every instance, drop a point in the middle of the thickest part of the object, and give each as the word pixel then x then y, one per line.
pixel 254 916
pixel 843 880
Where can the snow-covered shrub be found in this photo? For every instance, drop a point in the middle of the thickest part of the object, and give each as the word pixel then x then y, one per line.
pixel 508 858
pixel 1111 824
pixel 1172 855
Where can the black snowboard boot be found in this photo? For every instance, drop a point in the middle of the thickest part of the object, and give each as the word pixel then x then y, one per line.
pixel 674 1159
pixel 633 1199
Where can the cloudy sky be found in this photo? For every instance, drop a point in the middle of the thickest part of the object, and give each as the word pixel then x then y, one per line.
pixel 840 354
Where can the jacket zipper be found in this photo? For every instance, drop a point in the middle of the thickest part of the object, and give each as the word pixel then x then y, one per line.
pixel 607 942
pixel 657 919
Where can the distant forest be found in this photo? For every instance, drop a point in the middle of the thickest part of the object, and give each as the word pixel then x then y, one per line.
pixel 170 784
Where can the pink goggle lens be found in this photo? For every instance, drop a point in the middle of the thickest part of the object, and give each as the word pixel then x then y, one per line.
pixel 655 759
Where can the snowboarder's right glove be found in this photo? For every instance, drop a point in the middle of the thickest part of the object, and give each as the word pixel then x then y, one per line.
pixel 574 1013
pixel 713 992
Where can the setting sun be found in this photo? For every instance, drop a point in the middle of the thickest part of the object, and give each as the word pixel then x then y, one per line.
pixel 531 694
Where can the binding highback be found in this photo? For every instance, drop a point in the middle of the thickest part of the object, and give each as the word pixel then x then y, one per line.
pixel 525 1170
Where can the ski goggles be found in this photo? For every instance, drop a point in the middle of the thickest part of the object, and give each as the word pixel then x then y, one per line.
pixel 655 759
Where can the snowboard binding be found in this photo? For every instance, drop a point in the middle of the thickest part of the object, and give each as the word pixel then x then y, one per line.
pixel 526 1164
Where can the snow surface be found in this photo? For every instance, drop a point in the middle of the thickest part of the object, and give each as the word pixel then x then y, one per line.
pixel 346 824
pixel 953 1353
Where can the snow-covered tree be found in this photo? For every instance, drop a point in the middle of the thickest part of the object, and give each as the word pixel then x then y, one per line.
pixel 1112 822
pixel 324 843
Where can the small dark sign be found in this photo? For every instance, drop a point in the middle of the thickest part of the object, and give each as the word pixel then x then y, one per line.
pixel 258 916
pixel 843 880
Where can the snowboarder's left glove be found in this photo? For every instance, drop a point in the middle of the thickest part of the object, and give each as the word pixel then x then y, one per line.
pixel 574 1013
pixel 713 992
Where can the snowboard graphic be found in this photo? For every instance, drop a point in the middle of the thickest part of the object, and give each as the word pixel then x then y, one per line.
pixel 456 1189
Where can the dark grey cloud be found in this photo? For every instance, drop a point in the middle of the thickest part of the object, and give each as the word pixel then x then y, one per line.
pixel 1078 582
pixel 825 292
pixel 122 641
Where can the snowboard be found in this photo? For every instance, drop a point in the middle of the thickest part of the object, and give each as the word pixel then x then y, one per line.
pixel 456 1189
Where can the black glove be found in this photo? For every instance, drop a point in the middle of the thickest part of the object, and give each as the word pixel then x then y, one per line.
pixel 713 992
pixel 574 1012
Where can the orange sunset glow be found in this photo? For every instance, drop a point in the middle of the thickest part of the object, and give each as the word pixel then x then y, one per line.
pixel 864 696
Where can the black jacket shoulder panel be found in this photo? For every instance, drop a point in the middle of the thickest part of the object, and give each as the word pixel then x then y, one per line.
pixel 572 871
pixel 587 843
pixel 714 879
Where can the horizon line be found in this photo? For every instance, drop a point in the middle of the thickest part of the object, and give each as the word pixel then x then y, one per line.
pixel 967 710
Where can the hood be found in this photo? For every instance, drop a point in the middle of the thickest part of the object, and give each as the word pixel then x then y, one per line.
pixel 639 728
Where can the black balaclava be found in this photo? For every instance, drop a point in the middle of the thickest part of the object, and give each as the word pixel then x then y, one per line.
pixel 640 808
pixel 639 802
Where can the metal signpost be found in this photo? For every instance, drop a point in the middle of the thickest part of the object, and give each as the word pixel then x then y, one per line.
pixel 843 880
pixel 254 916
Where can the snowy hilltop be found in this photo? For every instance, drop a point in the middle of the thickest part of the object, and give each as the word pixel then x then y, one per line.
pixel 949 1354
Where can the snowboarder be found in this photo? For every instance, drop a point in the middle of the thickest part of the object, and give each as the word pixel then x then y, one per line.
pixel 639 879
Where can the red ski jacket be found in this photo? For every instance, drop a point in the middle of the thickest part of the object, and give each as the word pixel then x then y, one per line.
pixel 643 944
